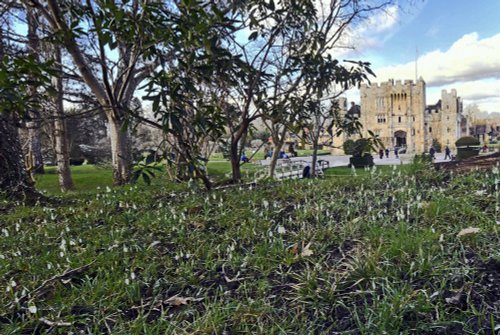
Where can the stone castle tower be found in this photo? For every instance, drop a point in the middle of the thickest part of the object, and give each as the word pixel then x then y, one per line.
pixel 444 120
pixel 396 111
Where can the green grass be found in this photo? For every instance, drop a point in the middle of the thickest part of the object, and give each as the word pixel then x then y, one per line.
pixel 364 255
pixel 87 178
pixel 342 171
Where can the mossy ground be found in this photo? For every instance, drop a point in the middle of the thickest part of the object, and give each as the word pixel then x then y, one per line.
pixel 376 253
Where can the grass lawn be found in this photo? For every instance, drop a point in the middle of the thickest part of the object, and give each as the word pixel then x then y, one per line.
pixel 412 251
pixel 342 171
pixel 87 178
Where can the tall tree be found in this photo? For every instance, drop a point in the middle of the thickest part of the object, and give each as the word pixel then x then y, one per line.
pixel 113 34
pixel 60 138
pixel 17 97
pixel 288 41
pixel 34 157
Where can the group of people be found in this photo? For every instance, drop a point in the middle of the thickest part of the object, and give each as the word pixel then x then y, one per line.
pixel 387 151
pixel 268 152
pixel 447 153
pixel 432 153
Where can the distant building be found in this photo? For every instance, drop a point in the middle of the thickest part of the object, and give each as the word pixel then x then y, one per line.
pixel 396 111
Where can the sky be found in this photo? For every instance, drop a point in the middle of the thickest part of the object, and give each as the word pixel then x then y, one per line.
pixel 457 43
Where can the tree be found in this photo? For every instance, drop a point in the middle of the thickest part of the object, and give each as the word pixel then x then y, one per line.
pixel 33 124
pixel 290 48
pixel 61 145
pixel 21 82
pixel 118 47
pixel 187 88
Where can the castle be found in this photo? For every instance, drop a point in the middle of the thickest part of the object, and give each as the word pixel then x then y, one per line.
pixel 397 113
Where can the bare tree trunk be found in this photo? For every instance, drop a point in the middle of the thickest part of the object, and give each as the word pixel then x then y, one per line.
pixel 35 144
pixel 274 161
pixel 120 152
pixel 14 180
pixel 61 147
pixel 34 125
pixel 315 140
pixel 314 156
pixel 278 141
pixel 235 160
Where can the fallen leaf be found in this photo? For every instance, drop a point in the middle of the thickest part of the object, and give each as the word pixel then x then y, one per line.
pixel 198 225
pixel 178 301
pixel 455 300
pixel 306 251
pixel 295 249
pixel 468 231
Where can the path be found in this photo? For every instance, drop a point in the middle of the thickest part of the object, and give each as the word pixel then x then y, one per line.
pixel 343 160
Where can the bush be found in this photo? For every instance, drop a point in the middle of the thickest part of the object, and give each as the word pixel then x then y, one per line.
pixel 349 147
pixel 467 141
pixel 361 146
pixel 467 146
pixel 361 161
pixel 436 145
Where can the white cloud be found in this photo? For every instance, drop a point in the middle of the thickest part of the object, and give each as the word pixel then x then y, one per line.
pixel 374 31
pixel 471 66
pixel 368 32
pixel 469 58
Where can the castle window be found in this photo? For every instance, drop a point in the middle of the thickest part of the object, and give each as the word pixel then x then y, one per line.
pixel 413 132
pixel 448 129
pixel 430 129
pixel 413 119
pixel 381 118
pixel 399 119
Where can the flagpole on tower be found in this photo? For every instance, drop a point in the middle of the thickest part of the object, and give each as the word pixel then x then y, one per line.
pixel 416 64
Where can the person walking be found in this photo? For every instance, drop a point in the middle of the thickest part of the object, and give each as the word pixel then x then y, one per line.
pixel 396 152
pixel 447 153
pixel 387 153
pixel 381 153
pixel 432 152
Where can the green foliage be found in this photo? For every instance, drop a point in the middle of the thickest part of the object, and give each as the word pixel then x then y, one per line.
pixel 23 82
pixel 467 147
pixel 361 146
pixel 146 169
pixel 467 141
pixel 349 147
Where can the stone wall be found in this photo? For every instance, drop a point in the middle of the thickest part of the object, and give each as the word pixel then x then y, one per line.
pixel 394 110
